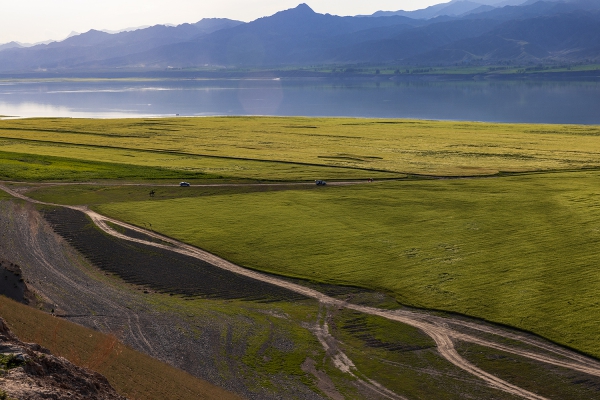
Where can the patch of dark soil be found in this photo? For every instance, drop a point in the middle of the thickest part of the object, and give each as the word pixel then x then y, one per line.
pixel 324 382
pixel 13 285
pixel 358 327
pixel 161 270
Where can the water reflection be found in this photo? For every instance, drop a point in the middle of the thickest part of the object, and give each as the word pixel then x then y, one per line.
pixel 550 102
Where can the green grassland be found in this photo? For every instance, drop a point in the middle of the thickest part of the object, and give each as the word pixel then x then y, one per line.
pixel 521 250
pixel 28 167
pixel 50 162
pixel 520 247
pixel 239 146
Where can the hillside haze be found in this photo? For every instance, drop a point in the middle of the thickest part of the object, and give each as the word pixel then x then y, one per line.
pixel 462 31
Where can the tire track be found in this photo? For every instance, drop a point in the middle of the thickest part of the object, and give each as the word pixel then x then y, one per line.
pixel 134 327
pixel 150 185
pixel 341 361
pixel 430 325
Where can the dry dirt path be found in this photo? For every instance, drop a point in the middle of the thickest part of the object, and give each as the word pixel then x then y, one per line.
pixel 150 185
pixel 437 328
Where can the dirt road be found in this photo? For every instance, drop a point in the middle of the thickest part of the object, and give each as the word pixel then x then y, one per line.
pixel 441 330
pixel 150 185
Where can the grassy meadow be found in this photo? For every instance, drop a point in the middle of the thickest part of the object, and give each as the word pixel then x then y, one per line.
pixel 28 167
pixel 520 250
pixel 289 148
pixel 55 163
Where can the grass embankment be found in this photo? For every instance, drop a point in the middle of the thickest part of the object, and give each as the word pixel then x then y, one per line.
pixel 522 251
pixel 302 148
pixel 28 167
pixel 132 374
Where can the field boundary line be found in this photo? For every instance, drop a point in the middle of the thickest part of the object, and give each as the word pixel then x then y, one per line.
pixel 181 153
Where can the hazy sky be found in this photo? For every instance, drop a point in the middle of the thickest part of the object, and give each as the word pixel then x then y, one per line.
pixel 32 21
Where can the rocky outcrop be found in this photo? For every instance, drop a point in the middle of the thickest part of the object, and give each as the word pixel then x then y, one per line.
pixel 13 285
pixel 30 372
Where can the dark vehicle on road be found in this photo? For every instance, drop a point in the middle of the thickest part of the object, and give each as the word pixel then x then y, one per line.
pixel 184 184
pixel 319 182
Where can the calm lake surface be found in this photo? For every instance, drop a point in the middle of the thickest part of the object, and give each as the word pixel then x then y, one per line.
pixel 540 102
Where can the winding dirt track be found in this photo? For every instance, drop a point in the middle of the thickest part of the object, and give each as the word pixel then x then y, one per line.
pixel 436 327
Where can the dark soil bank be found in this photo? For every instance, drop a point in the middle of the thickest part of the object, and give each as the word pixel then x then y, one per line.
pixel 12 283
pixel 158 269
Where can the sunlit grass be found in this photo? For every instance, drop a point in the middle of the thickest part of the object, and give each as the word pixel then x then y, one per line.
pixel 27 167
pixel 523 251
pixel 519 250
pixel 25 160
pixel 403 146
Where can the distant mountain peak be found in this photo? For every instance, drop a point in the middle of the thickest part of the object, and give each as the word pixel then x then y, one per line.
pixel 304 7
pixel 300 9
pixel 300 12
pixel 447 33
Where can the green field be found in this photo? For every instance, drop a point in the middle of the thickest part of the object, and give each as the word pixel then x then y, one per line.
pixel 28 167
pixel 522 251
pixel 303 148
pixel 55 163
pixel 519 248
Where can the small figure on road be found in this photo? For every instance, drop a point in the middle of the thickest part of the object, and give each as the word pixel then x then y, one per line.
pixel 152 193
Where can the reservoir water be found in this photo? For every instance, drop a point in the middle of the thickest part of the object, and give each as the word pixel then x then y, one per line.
pixel 537 102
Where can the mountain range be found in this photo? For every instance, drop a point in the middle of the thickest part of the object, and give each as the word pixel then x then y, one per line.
pixel 459 32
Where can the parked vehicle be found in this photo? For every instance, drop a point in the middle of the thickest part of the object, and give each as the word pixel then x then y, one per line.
pixel 320 182
pixel 184 184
